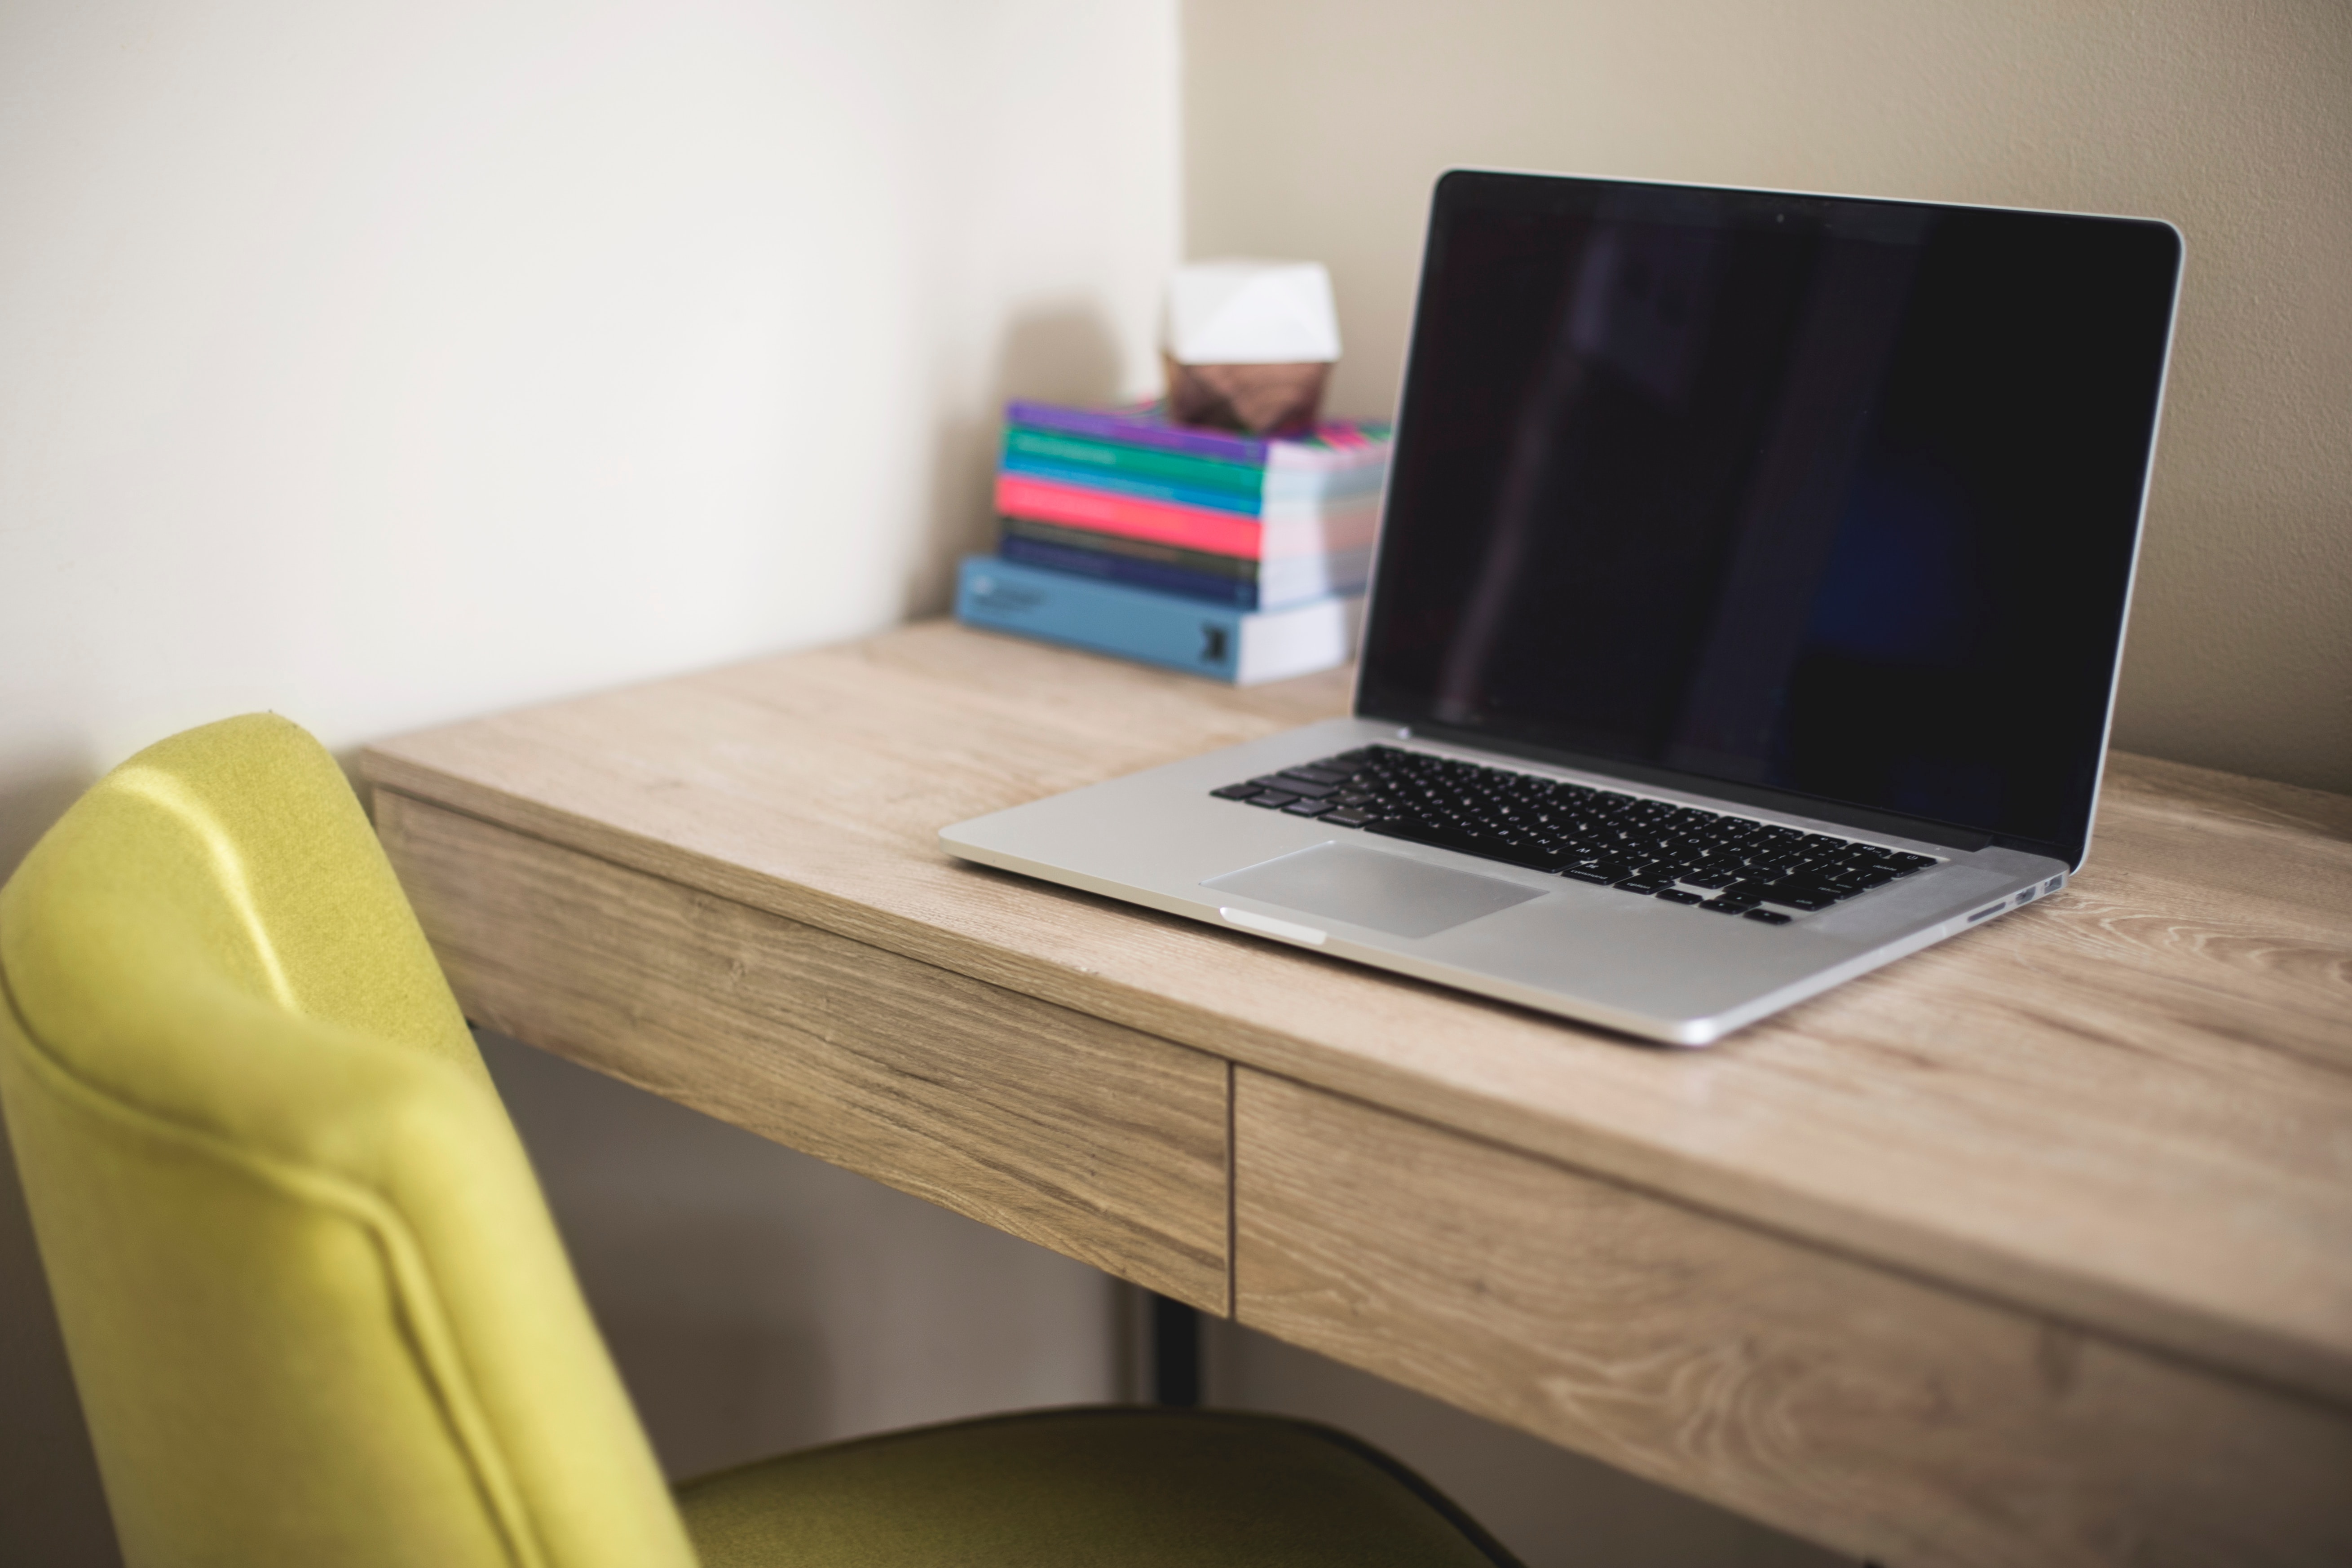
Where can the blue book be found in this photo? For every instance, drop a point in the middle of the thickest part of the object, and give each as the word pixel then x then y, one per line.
pixel 1244 646
pixel 1240 593
pixel 1262 584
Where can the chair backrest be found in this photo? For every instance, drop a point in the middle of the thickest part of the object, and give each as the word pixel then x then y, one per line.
pixel 316 1308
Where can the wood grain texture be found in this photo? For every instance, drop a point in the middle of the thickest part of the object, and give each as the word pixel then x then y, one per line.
pixel 2128 1107
pixel 1091 1139
pixel 1859 1408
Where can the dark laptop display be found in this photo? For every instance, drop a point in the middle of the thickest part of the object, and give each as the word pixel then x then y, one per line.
pixel 1792 498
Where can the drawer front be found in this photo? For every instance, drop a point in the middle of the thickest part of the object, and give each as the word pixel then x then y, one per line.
pixel 1099 1142
pixel 1858 1407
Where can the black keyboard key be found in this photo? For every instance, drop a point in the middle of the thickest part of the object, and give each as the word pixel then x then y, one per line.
pixel 1534 856
pixel 1768 917
pixel 1588 834
pixel 1295 785
pixel 1490 849
pixel 1676 895
pixel 1235 792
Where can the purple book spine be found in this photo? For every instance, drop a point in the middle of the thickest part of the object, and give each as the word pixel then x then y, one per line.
pixel 1138 432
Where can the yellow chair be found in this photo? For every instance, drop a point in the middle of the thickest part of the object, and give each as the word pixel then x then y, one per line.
pixel 318 1314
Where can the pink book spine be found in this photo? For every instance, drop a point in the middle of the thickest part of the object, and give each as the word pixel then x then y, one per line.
pixel 1194 528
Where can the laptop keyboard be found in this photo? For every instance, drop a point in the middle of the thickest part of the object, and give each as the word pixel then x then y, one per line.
pixel 1711 860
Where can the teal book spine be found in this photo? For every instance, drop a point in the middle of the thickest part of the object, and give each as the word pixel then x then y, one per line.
pixel 1143 486
pixel 1149 474
pixel 1044 449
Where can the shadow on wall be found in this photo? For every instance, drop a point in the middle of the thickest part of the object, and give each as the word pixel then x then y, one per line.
pixel 1058 353
pixel 51 1509
pixel 34 797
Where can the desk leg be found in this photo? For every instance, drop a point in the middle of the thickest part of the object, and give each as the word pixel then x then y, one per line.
pixel 1175 1353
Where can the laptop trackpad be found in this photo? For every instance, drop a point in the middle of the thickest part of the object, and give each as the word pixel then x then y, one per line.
pixel 1367 888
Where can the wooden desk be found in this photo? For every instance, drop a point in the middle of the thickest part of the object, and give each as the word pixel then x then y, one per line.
pixel 2035 1247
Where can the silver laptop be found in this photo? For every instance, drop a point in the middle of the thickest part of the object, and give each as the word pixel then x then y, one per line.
pixel 1750 592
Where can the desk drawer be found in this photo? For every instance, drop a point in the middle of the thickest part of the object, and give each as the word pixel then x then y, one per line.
pixel 1860 1408
pixel 1099 1142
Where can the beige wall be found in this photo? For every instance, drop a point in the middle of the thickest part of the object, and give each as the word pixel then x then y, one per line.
pixel 387 362
pixel 1313 128
pixel 381 364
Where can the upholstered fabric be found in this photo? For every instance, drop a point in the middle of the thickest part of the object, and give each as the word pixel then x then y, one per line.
pixel 316 1310
pixel 1085 1489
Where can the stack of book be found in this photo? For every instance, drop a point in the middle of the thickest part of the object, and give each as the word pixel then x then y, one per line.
pixel 1236 556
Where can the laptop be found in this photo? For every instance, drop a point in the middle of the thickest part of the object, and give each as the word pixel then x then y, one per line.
pixel 1746 611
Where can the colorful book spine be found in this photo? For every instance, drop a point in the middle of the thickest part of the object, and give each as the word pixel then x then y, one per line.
pixel 1279 531
pixel 1090 455
pixel 1199 561
pixel 1174 476
pixel 1140 486
pixel 1209 587
pixel 1336 444
pixel 1286 583
pixel 1224 642
pixel 1278 492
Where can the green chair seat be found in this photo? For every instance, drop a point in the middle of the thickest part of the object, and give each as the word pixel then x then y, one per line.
pixel 1080 1488
pixel 318 1313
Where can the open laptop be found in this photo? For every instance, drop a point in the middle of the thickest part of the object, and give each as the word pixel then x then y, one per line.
pixel 1746 615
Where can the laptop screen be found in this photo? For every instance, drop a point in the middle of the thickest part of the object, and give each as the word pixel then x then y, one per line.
pixel 1796 499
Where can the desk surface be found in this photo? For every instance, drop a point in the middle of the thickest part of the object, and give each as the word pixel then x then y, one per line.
pixel 2126 1110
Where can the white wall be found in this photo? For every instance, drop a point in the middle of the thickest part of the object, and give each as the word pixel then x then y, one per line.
pixel 383 364
pixel 1315 128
